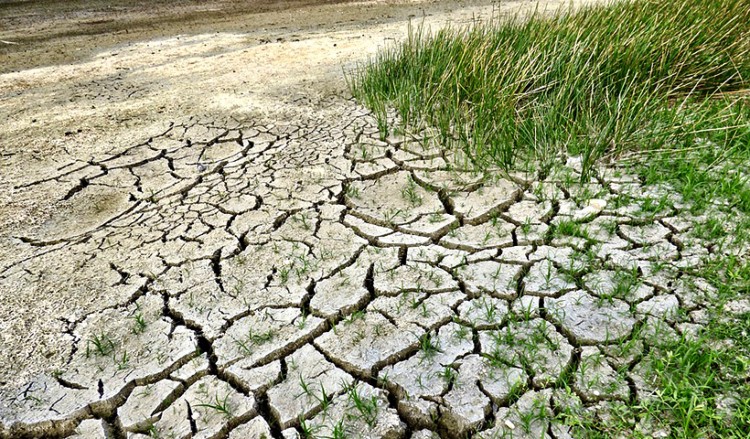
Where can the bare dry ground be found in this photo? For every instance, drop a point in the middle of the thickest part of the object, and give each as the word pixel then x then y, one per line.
pixel 201 234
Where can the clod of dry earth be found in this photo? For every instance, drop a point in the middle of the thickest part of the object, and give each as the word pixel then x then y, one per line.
pixel 202 237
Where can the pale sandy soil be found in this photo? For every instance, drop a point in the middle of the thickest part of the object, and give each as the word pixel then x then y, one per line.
pixel 53 113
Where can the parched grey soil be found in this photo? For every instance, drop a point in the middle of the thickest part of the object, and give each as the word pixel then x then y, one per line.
pixel 203 236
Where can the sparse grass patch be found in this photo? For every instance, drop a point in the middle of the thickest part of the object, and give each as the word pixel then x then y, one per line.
pixel 220 405
pixel 252 339
pixel 702 382
pixel 699 392
pixel 367 408
pixel 705 164
pixel 100 344
pixel 411 194
pixel 570 228
pixel 429 345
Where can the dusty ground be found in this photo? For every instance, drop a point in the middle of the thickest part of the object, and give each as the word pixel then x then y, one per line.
pixel 201 234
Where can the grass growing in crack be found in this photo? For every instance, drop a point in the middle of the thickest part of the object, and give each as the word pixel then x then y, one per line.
pixel 338 432
pixel 461 332
pixel 571 228
pixel 151 431
pixel 252 339
pixel 539 412
pixel 448 375
pixel 367 407
pixel 526 227
pixel 626 282
pixel 122 361
pixel 390 216
pixel 324 399
pixel 308 431
pixel 352 192
pixel 302 220
pixel 100 344
pixel 284 272
pixel 429 346
pixel 490 310
pixel 411 194
pixel 353 317
pixel 306 390
pixel 435 218
pixel 219 405
pixel 139 323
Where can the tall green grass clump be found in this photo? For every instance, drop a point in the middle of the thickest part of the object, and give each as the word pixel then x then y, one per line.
pixel 599 81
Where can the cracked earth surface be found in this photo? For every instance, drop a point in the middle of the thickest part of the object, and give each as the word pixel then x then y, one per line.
pixel 243 277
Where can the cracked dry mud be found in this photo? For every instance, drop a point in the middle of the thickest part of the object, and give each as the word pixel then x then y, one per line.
pixel 264 278
pixel 255 278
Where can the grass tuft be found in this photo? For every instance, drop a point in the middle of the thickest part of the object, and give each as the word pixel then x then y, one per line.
pixel 598 82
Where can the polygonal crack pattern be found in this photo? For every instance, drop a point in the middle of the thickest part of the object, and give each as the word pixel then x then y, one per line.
pixel 253 280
